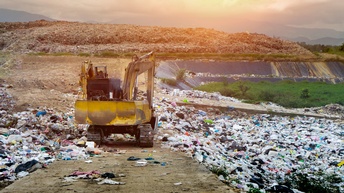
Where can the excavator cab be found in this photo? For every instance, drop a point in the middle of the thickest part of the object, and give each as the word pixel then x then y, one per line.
pixel 101 72
pixel 109 106
pixel 99 86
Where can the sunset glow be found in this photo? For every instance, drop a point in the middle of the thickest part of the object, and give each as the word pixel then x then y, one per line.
pixel 190 13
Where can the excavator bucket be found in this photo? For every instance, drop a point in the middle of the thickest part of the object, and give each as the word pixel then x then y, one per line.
pixel 112 112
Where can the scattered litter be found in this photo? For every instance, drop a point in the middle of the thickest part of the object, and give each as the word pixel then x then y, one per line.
pixel 22 174
pixel 90 144
pixel 70 179
pixel 109 181
pixel 94 175
pixel 86 175
pixel 133 158
pixel 28 166
pixel 121 152
pixel 108 175
pixel 141 163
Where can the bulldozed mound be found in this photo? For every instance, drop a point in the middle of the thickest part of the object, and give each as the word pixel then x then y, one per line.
pixel 60 36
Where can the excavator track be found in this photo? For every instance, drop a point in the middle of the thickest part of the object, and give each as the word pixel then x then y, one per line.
pixel 146 135
pixel 95 134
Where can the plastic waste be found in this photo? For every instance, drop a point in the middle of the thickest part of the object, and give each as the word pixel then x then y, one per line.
pixel 108 175
pixel 41 113
pixel 141 163
pixel 112 182
pixel 25 166
pixel 22 174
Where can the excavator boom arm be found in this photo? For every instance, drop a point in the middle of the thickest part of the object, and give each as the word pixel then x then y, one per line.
pixel 145 63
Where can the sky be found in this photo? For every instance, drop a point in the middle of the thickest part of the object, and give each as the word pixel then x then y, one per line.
pixel 190 13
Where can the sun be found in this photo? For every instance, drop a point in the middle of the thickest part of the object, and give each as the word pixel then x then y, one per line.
pixel 210 7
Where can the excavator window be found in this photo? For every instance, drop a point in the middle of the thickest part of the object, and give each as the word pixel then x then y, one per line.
pixel 100 74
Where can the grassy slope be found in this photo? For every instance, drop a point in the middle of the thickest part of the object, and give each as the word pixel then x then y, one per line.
pixel 285 93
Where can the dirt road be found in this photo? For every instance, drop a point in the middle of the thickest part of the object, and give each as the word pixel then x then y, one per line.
pixel 168 172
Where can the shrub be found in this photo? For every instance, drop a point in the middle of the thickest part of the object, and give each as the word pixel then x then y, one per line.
pixel 305 94
pixel 341 48
pixel 319 183
pixel 84 54
pixel 107 54
pixel 227 92
pixel 219 171
pixel 289 102
pixel 168 81
pixel 243 88
pixel 267 95
pixel 181 74
pixel 62 54
pixel 224 80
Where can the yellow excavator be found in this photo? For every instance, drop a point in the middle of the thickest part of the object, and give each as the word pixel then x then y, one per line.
pixel 111 108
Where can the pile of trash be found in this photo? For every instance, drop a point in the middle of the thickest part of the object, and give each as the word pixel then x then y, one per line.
pixel 197 94
pixel 331 109
pixel 32 139
pixel 259 151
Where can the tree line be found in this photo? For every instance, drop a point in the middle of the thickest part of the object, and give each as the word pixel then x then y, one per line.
pixel 322 48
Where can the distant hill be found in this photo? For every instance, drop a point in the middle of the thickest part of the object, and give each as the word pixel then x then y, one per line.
pixel 321 41
pixel 307 35
pixel 296 34
pixel 7 15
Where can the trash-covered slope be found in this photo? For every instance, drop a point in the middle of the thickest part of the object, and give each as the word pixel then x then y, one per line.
pixel 262 151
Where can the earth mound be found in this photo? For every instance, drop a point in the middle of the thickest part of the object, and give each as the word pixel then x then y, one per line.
pixel 73 37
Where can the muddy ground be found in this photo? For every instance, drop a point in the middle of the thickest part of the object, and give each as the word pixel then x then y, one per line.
pixel 37 81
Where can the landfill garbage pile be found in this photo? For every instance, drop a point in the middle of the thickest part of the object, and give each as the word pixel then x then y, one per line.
pixel 32 139
pixel 197 94
pixel 262 152
pixel 332 109
pixel 74 37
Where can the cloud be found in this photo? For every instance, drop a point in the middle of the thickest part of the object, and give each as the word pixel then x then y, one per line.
pixel 313 14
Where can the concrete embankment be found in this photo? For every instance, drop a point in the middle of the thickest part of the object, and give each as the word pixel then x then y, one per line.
pixel 205 71
pixel 227 105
